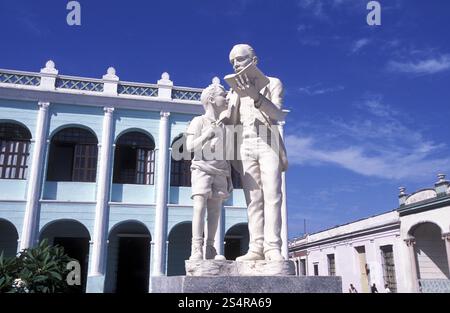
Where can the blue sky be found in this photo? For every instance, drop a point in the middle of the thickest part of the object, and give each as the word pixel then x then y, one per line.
pixel 369 105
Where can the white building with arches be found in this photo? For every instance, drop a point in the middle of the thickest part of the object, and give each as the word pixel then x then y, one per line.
pixel 86 163
pixel 407 249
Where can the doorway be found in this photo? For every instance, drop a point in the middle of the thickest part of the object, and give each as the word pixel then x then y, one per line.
pixel 128 259
pixel 363 268
pixel 78 249
pixel 74 238
pixel 133 264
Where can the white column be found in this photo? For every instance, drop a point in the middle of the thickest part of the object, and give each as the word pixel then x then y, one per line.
pixel 410 242
pixel 99 247
pixel 166 263
pixel 30 222
pixel 375 262
pixel 284 213
pixel 161 197
pixel 307 264
pixel 152 250
pixel 446 238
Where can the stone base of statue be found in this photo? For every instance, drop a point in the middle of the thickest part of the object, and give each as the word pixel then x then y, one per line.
pixel 245 268
pixel 213 276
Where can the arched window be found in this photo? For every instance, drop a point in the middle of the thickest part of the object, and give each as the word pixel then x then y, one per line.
pixel 73 156
pixel 14 151
pixel 180 170
pixel 134 159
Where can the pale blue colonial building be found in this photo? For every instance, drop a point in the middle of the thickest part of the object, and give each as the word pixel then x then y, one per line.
pixel 87 164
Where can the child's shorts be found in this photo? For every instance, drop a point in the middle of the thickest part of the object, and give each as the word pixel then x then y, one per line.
pixel 208 185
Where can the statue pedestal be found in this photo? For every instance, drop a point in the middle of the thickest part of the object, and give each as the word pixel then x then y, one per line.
pixel 245 268
pixel 246 284
pixel 213 276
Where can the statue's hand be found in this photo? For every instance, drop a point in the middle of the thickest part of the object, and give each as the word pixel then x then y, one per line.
pixel 209 132
pixel 247 86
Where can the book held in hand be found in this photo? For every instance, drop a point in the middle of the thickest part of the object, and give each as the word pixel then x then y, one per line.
pixel 253 73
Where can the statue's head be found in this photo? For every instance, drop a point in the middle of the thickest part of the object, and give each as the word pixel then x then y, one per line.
pixel 242 55
pixel 214 96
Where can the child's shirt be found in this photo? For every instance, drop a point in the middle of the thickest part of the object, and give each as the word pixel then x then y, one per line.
pixel 211 159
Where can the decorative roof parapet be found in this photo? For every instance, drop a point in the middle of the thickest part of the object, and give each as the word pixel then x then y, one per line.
pixel 441 189
pixel 402 196
pixel 442 185
pixel 19 78
pixel 186 94
pixel 165 86
pixel 48 79
pixel 420 196
pixel 79 84
pixel 48 76
pixel 110 82
pixel 135 89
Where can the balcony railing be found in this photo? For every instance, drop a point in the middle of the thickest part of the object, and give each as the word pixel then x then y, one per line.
pixel 48 79
pixel 186 94
pixel 79 84
pixel 19 78
pixel 134 89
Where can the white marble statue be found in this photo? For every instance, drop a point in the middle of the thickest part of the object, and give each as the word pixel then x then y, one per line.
pixel 263 161
pixel 210 171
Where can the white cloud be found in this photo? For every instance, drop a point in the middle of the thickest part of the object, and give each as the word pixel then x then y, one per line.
pixel 378 145
pixel 359 44
pixel 374 105
pixel 394 164
pixel 321 9
pixel 318 90
pixel 303 27
pixel 428 66
pixel 316 7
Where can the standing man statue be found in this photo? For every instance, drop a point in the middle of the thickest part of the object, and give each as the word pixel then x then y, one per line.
pixel 263 158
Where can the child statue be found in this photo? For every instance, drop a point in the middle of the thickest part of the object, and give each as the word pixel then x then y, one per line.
pixel 210 171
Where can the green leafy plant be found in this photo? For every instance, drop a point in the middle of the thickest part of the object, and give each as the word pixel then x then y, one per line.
pixel 41 269
pixel 8 270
